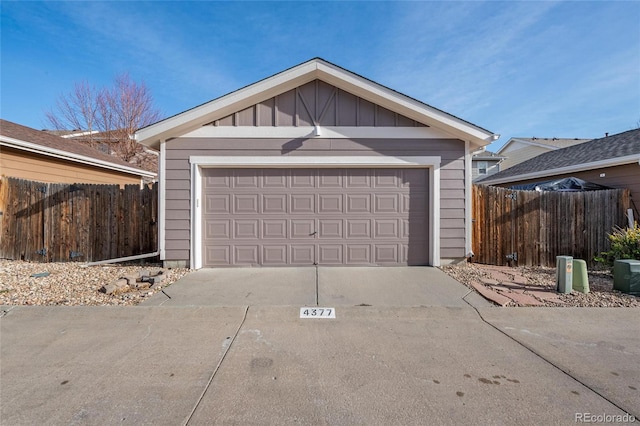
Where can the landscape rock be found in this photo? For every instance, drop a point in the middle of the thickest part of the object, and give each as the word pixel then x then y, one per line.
pixel 72 284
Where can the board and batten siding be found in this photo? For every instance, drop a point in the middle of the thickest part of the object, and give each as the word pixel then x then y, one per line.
pixel 178 184
pixel 316 103
pixel 31 166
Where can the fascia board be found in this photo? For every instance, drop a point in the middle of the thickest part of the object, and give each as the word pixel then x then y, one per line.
pixel 610 162
pixel 404 105
pixel 77 158
pixel 190 120
pixel 228 104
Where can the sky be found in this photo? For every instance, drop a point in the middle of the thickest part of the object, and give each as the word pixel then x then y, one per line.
pixel 568 69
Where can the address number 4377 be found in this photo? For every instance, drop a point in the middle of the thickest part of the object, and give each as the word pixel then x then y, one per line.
pixel 306 312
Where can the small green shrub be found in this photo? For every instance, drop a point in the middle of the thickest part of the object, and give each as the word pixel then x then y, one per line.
pixel 625 244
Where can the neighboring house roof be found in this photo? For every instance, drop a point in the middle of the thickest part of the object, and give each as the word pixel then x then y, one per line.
pixel 622 148
pixel 316 68
pixel 25 138
pixel 487 156
pixel 546 143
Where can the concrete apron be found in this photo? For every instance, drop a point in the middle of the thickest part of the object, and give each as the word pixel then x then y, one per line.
pixel 325 286
pixel 265 365
pixel 420 355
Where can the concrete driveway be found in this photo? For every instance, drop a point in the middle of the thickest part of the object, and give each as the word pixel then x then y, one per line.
pixel 420 354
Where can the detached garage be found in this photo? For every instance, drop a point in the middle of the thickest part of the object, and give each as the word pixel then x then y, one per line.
pixel 314 166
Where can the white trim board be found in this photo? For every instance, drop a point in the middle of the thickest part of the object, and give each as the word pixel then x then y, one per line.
pixel 319 132
pixel 200 162
pixel 162 184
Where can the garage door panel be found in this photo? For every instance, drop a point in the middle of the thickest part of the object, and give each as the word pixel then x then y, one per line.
pixel 301 178
pixel 358 203
pixel 358 228
pixel 358 178
pixel 358 254
pixel 274 229
pixel 245 254
pixel 303 203
pixel 329 203
pixel 386 228
pixel 386 203
pixel 415 203
pixel 217 255
pixel 275 203
pixel 303 254
pixel 274 255
pixel 416 179
pixel 330 254
pixel 303 228
pixel 219 229
pixel 246 178
pixel 217 179
pixel 330 178
pixel 274 178
pixel 246 203
pixel 278 217
pixel 217 204
pixel 385 178
pixel 330 228
pixel 386 253
pixel 246 229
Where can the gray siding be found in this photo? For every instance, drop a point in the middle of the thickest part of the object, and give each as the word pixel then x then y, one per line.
pixel 316 103
pixel 452 193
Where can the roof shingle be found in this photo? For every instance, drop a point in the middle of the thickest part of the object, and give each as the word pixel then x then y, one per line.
pixel 47 140
pixel 610 147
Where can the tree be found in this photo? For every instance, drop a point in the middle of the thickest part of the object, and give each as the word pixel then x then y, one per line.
pixel 115 112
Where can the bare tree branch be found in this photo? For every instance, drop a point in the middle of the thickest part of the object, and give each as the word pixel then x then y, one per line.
pixel 116 112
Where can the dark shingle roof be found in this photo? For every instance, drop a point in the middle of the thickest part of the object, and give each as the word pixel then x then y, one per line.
pixel 610 147
pixel 47 140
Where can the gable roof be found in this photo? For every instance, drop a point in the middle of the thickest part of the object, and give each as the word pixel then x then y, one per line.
pixel 487 155
pixel 622 148
pixel 547 143
pixel 316 68
pixel 26 138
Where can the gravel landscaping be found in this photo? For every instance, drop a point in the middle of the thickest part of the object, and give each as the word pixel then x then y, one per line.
pixel 536 281
pixel 71 284
pixel 75 284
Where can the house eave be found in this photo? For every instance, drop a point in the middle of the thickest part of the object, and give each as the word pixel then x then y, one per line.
pixel 610 162
pixel 190 120
pixel 76 158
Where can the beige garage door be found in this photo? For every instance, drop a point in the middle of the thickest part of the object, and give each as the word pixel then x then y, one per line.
pixel 281 217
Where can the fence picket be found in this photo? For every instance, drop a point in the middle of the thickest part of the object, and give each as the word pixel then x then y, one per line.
pixel 95 222
pixel 544 225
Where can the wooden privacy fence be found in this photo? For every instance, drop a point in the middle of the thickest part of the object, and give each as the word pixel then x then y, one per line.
pixel 526 228
pixel 80 222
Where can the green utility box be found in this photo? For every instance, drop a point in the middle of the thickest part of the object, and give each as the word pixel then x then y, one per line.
pixel 626 276
pixel 580 277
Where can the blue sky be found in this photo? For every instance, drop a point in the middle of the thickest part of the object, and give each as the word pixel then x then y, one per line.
pixel 544 69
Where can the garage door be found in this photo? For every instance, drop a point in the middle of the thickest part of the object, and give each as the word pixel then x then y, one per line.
pixel 282 217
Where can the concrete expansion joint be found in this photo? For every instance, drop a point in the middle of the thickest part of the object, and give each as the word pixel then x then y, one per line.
pixel 557 367
pixel 215 370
